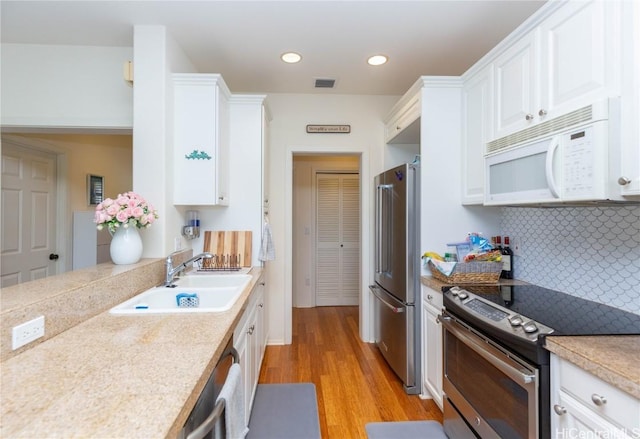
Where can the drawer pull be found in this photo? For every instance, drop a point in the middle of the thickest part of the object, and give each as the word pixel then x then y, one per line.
pixel 560 410
pixel 598 400
pixel 429 297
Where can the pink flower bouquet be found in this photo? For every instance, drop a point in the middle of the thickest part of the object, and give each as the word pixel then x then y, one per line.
pixel 128 209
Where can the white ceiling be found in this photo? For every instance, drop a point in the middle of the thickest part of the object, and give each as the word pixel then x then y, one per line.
pixel 243 40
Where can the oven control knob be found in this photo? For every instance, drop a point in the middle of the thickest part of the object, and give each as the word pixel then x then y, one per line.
pixel 530 327
pixel 462 295
pixel 516 320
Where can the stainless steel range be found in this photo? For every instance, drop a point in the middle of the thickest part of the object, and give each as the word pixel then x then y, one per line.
pixel 496 370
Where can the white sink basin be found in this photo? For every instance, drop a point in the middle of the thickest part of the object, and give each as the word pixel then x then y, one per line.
pixel 163 300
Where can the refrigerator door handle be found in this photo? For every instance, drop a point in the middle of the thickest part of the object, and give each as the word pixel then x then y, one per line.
pixel 379 229
pixel 395 309
pixel 383 241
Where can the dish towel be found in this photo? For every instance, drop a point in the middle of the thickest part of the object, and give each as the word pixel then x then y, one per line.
pixel 267 250
pixel 445 268
pixel 233 398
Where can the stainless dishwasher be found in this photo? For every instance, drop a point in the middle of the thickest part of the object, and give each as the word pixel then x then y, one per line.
pixel 206 403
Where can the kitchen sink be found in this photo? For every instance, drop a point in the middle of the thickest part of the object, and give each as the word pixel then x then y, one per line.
pixel 192 293
pixel 163 300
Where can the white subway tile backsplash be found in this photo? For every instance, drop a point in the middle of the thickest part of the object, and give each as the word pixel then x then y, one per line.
pixel 590 252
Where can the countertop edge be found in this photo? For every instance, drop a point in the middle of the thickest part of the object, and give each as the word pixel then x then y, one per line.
pixel 597 355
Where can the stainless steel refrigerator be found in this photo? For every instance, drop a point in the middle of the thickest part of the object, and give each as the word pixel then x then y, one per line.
pixel 397 272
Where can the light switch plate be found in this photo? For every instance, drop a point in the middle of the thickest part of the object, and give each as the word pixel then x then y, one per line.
pixel 27 332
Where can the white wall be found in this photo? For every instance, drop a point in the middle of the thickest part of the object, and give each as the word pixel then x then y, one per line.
pixel 65 86
pixel 245 177
pixel 444 219
pixel 156 56
pixel 291 113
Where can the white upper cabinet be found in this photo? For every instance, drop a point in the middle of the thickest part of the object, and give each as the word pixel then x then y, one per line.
pixel 402 126
pixel 201 125
pixel 569 61
pixel 477 113
pixel 580 56
pixel 516 87
pixel 629 178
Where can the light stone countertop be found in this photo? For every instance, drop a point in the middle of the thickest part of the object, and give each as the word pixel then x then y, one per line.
pixel 613 359
pixel 115 376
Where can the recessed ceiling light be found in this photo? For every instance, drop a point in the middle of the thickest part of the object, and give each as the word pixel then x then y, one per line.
pixel 377 60
pixel 291 57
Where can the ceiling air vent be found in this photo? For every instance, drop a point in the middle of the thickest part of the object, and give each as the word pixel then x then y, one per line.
pixel 325 83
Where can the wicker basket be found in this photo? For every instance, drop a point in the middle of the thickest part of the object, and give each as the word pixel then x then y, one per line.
pixel 470 273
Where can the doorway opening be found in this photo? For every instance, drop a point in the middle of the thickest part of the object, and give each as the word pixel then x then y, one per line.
pixel 326 233
pixel 77 154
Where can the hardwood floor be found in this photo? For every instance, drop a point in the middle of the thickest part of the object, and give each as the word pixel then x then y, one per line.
pixel 354 384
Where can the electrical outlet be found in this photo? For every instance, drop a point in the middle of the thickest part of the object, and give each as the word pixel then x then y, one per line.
pixel 177 244
pixel 27 332
pixel 516 246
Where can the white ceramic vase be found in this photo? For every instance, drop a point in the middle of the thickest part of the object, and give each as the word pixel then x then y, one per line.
pixel 126 246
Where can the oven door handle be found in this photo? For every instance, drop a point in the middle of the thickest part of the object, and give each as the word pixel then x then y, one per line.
pixel 486 351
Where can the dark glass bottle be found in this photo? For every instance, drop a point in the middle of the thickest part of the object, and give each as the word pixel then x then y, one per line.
pixel 499 243
pixel 507 260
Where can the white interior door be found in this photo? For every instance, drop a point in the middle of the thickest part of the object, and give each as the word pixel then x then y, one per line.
pixel 337 239
pixel 28 215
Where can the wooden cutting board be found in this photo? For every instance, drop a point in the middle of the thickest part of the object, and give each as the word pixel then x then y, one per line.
pixel 230 245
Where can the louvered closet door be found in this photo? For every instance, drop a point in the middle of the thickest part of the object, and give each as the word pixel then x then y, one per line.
pixel 337 239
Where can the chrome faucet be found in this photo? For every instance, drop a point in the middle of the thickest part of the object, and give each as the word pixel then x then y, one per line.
pixel 171 271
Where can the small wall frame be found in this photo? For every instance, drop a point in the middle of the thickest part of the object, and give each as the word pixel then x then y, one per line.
pixel 95 189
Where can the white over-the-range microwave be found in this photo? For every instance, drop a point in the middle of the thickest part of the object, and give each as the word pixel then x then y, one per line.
pixel 570 159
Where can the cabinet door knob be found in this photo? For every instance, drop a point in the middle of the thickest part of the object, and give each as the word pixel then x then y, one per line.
pixel 429 297
pixel 542 112
pixel 598 400
pixel 623 181
pixel 529 117
pixel 560 410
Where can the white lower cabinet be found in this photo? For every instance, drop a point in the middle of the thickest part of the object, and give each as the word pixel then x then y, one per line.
pixel 583 405
pixel 431 344
pixel 249 339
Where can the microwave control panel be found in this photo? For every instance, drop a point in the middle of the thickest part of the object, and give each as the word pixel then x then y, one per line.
pixel 578 163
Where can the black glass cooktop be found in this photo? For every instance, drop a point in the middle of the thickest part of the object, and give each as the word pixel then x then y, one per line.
pixel 566 314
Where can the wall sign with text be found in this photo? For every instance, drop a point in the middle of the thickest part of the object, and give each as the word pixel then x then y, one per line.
pixel 331 129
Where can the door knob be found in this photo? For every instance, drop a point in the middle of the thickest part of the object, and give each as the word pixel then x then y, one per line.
pixel 53 257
